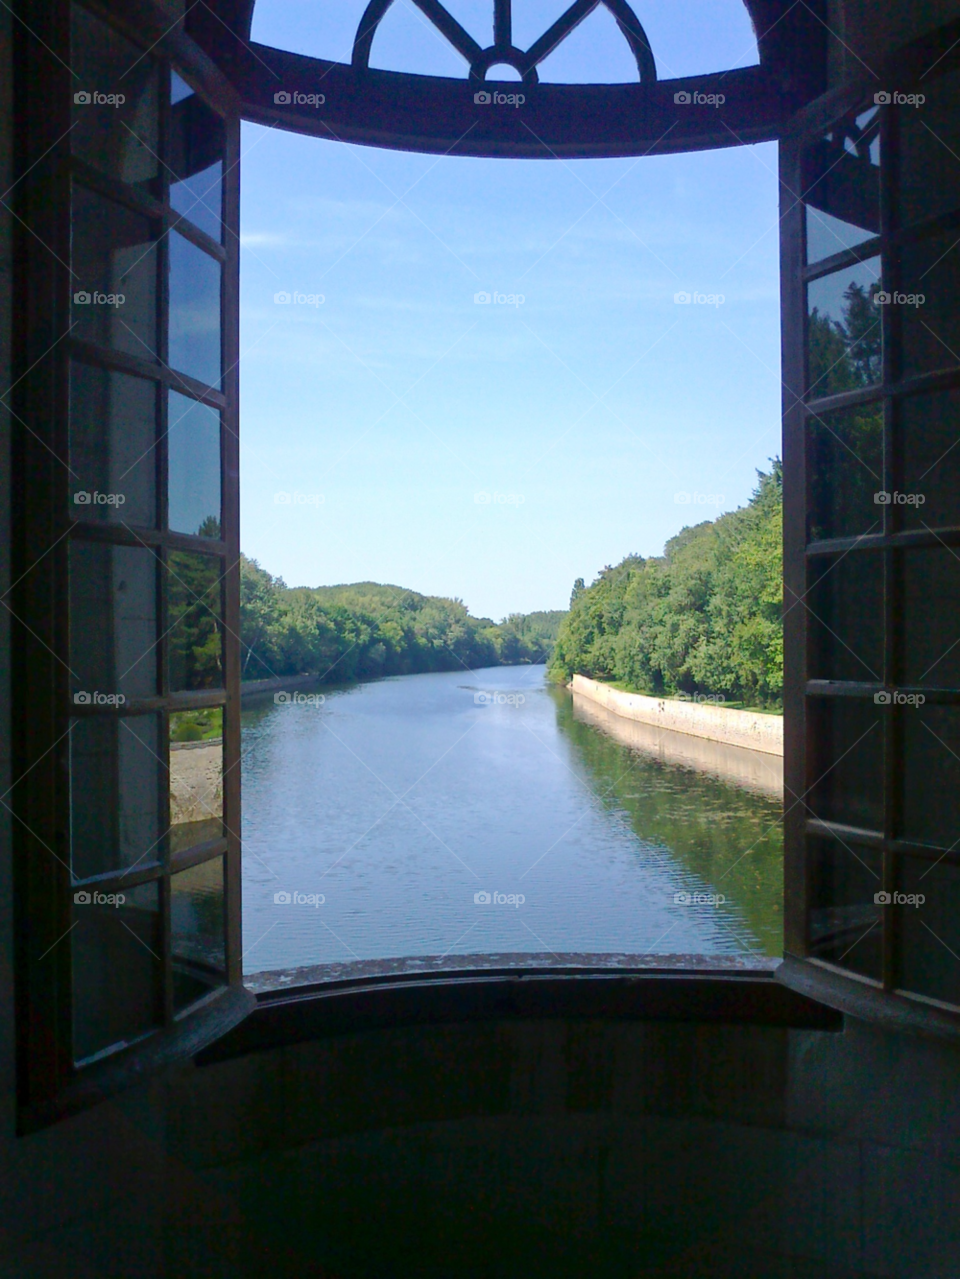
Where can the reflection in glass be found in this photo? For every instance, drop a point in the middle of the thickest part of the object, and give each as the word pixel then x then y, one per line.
pixel 930 443
pixel 846 471
pixel 116 968
pixel 115 268
pixel 114 793
pixel 112 454
pixel 848 766
pixel 930 930
pixel 845 616
pixel 931 773
pixel 845 921
pixel 844 333
pixel 193 440
pixel 119 140
pixel 196 777
pixel 113 620
pixel 194 311
pixel 194 613
pixel 197 143
pixel 197 932
pixel 841 184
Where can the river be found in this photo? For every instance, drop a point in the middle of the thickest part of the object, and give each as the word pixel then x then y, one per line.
pixel 484 812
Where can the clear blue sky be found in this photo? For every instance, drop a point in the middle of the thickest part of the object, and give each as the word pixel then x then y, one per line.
pixel 579 414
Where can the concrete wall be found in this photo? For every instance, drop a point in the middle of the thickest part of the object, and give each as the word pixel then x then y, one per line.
pixel 762 733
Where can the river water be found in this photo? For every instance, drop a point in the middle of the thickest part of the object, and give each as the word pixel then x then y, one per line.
pixel 487 811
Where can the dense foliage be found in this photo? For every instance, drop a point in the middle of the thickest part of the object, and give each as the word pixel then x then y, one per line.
pixel 344 633
pixel 705 617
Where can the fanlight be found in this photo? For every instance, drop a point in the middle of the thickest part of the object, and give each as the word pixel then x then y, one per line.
pixel 503 51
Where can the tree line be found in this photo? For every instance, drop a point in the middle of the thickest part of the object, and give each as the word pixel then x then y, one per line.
pixel 705 617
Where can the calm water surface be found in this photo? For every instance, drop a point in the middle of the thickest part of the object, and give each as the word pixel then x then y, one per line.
pixel 398 801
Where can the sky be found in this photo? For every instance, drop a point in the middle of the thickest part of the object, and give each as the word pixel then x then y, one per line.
pixel 395 428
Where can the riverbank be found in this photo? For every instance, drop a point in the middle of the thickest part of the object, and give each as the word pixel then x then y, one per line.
pixel 279 683
pixel 747 729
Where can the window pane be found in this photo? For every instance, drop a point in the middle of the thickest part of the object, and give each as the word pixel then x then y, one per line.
pixel 195 609
pixel 197 932
pixel 197 144
pixel 845 616
pixel 930 443
pixel 847 766
pixel 845 919
pixel 843 330
pixel 112 453
pixel 115 819
pixel 930 930
pixel 194 311
pixel 118 138
pixel 115 276
pixel 931 609
pixel 846 471
pixel 930 270
pixel 113 621
pixel 931 774
pixel 841 181
pixel 116 968
pixel 930 144
pixel 196 777
pixel 193 437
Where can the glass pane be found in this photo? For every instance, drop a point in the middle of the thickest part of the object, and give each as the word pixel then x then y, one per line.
pixel 844 335
pixel 113 622
pixel 114 793
pixel 930 144
pixel 845 917
pixel 846 471
pixel 115 103
pixel 930 282
pixel 930 929
pixel 931 608
pixel 116 968
pixel 112 454
pixel 931 774
pixel 930 445
pixel 197 143
pixel 193 438
pixel 845 616
pixel 197 932
pixel 115 276
pixel 194 311
pixel 841 183
pixel 848 762
pixel 195 609
pixel 196 777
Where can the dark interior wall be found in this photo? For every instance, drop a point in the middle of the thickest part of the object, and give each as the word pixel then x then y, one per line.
pixel 863 32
